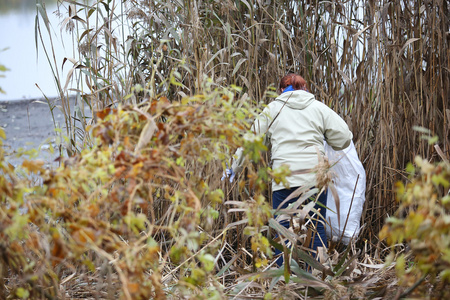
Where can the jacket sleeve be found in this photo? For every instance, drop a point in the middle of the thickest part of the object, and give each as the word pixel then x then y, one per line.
pixel 337 134
pixel 259 127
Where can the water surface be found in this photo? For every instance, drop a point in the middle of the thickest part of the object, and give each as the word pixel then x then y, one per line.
pixel 28 66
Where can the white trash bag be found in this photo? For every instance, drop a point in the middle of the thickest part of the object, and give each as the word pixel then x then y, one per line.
pixel 346 168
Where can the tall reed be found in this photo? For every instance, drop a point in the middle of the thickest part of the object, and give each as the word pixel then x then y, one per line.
pixel 382 65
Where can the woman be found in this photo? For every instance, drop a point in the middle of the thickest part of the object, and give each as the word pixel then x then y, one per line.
pixel 296 125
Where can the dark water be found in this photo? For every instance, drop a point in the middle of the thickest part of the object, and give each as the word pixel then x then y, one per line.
pixel 27 66
pixel 7 6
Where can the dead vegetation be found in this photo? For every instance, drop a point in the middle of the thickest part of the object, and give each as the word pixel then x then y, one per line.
pixel 382 65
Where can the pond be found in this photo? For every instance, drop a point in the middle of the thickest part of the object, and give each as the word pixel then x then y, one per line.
pixel 28 66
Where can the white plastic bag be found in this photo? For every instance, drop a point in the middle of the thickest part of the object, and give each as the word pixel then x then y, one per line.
pixel 346 168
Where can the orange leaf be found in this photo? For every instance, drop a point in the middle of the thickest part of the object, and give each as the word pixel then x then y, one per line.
pixel 33 166
pixel 103 113
pixel 133 288
pixel 93 210
pixel 83 236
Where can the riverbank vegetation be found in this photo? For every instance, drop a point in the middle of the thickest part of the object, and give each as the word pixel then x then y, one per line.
pixel 137 209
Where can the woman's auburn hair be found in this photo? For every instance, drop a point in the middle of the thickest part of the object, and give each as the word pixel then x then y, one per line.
pixel 297 82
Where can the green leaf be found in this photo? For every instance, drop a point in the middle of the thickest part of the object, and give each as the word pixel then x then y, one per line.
pixel 17 230
pixel 410 168
pixel 433 140
pixel 446 200
pixel 445 275
pixel 268 296
pixel 347 263
pixel 287 269
pixel 180 161
pixel 309 259
pixel 282 230
pixel 421 129
pixel 22 293
pixel 440 180
pixel 227 266
pixel 400 265
pixel 216 196
pixel 208 262
pixel 88 263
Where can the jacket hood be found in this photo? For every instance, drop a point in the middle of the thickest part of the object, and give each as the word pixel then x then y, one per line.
pixel 298 99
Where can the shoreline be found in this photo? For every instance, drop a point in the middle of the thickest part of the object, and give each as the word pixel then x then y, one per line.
pixel 29 100
pixel 26 101
pixel 29 124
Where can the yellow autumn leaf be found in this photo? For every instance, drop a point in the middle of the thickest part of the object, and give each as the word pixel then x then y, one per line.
pixel 2 134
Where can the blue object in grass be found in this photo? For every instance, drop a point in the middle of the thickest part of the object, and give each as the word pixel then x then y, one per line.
pixel 229 173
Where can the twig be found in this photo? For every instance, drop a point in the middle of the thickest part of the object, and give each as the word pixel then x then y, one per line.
pixel 413 287
pixel 349 210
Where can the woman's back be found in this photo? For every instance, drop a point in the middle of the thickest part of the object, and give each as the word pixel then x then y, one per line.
pixel 297 124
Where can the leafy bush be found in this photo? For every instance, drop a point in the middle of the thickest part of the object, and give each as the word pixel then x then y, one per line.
pixel 137 213
pixel 423 222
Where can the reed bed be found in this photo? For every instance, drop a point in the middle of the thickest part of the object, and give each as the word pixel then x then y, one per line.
pixel 382 65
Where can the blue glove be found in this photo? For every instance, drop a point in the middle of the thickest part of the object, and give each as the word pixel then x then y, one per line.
pixel 229 173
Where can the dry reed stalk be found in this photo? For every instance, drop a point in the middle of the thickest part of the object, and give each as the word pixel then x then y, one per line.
pixel 382 65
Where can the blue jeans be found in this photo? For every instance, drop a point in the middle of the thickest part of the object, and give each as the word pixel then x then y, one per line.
pixel 279 196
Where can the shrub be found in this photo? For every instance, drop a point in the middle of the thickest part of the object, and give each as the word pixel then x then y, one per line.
pixel 136 215
pixel 423 222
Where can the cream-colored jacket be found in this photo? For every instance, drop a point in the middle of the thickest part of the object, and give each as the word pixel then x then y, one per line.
pixel 296 124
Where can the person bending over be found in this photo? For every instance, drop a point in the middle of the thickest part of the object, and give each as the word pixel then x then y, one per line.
pixel 296 125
